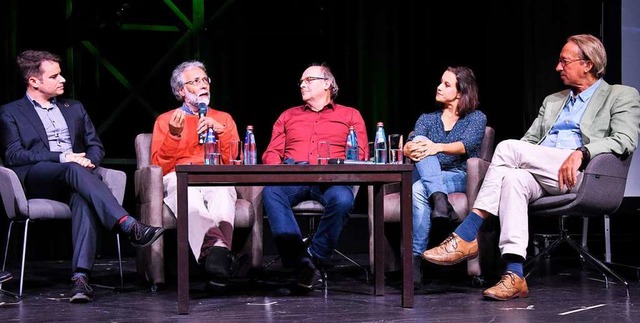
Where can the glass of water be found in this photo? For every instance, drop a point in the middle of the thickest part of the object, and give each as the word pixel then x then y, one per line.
pixel 212 153
pixel 395 148
pixel 324 152
pixel 235 152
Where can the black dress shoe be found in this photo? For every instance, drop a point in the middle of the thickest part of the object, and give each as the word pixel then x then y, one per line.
pixel 142 235
pixel 5 276
pixel 218 264
pixel 309 277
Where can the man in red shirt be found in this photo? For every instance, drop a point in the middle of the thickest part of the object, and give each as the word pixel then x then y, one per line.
pixel 295 137
pixel 175 141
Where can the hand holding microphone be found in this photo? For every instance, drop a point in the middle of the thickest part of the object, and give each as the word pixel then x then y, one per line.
pixel 202 112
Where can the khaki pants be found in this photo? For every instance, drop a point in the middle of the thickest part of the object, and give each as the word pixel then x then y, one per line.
pixel 212 210
pixel 519 173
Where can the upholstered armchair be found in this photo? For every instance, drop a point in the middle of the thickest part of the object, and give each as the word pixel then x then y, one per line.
pixel 22 210
pixel 462 203
pixel 149 202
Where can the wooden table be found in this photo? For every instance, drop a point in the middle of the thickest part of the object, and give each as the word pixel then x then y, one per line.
pixel 351 174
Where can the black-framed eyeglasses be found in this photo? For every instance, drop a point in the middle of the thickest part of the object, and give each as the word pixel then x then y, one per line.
pixel 308 79
pixel 564 62
pixel 196 81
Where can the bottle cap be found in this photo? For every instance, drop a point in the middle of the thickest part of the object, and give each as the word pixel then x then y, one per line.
pixel 249 127
pixel 380 124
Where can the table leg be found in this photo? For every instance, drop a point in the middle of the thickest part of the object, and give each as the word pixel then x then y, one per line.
pixel 378 239
pixel 183 245
pixel 406 249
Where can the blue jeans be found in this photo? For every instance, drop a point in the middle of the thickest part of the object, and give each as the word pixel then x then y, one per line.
pixel 429 178
pixel 278 200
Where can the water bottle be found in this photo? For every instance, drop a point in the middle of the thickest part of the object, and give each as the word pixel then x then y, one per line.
pixel 380 145
pixel 352 145
pixel 250 152
pixel 211 149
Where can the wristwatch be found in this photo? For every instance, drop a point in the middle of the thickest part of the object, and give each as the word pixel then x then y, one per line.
pixel 586 156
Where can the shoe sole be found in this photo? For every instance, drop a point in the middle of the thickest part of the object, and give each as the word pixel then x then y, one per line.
pixel 497 298
pixel 155 237
pixel 448 263
pixel 80 299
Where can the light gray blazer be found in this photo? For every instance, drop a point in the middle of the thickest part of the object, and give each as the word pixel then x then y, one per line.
pixel 611 121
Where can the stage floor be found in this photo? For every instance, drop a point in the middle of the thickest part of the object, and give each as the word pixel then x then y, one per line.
pixel 560 291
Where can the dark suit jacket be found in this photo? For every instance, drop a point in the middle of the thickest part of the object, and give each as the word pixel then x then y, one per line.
pixel 23 140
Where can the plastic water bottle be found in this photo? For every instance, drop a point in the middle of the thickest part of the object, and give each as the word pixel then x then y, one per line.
pixel 211 148
pixel 250 153
pixel 380 145
pixel 352 145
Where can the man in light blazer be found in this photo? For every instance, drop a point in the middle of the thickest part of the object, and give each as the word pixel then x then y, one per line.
pixel 53 147
pixel 572 126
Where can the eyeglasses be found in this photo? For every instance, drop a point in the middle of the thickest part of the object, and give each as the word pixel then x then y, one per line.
pixel 308 79
pixel 204 80
pixel 564 62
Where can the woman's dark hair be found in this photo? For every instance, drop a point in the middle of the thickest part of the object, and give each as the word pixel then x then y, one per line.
pixel 468 88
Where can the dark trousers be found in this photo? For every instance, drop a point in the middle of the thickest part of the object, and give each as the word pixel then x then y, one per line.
pixel 90 200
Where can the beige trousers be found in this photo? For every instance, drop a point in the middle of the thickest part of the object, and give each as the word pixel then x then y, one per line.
pixel 212 210
pixel 520 172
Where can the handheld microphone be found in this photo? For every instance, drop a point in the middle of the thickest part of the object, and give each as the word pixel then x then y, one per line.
pixel 202 111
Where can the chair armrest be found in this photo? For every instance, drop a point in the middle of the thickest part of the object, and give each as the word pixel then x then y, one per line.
pixel 149 193
pixel 116 180
pixel 254 245
pixel 253 194
pixel 476 170
pixel 603 184
pixel 608 164
pixel 13 197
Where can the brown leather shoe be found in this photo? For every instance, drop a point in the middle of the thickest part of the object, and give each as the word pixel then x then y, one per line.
pixel 452 251
pixel 509 287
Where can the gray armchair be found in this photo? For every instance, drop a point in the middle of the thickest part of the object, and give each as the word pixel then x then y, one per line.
pixel 149 195
pixel 600 194
pixel 462 203
pixel 19 209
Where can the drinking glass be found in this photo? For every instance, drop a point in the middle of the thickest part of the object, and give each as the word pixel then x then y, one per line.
pixel 324 152
pixel 212 153
pixel 235 152
pixel 395 148
pixel 372 156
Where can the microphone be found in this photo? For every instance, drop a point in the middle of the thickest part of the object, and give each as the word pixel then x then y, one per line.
pixel 202 111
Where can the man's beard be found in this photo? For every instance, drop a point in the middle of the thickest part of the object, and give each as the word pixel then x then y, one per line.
pixel 194 100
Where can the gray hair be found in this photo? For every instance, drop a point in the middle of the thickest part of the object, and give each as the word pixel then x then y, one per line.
pixel 326 72
pixel 177 82
pixel 592 50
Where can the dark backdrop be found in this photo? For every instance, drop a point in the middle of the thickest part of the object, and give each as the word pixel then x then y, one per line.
pixel 387 57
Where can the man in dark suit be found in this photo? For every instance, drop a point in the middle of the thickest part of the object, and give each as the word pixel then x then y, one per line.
pixel 53 147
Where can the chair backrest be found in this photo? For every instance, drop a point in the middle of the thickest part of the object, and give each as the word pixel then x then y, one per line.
pixel 487 146
pixel 601 192
pixel 143 150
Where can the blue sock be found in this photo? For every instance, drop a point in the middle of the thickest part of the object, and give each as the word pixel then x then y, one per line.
pixel 516 268
pixel 468 229
pixel 126 223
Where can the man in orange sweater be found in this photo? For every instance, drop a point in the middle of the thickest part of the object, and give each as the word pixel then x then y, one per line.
pixel 175 141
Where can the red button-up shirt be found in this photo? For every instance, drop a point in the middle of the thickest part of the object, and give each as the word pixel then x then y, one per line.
pixel 297 131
